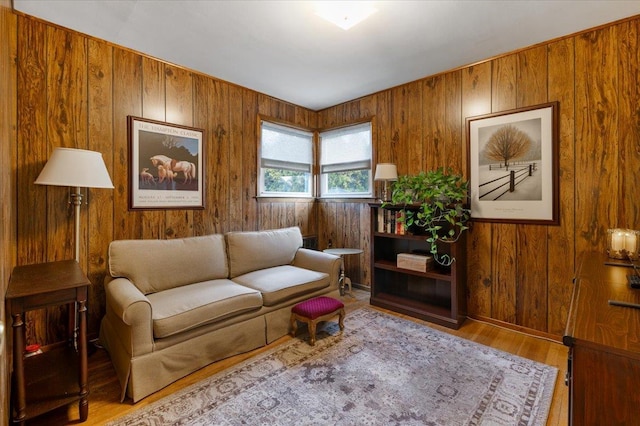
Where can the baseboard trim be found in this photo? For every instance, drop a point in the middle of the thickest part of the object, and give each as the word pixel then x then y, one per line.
pixel 517 328
pixel 361 287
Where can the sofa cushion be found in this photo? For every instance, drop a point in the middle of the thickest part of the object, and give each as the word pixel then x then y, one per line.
pixel 283 282
pixel 156 265
pixel 190 306
pixel 251 251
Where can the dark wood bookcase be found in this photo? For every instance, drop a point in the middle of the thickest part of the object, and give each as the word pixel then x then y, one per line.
pixel 437 295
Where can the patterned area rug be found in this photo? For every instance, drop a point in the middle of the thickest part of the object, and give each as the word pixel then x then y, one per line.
pixel 381 370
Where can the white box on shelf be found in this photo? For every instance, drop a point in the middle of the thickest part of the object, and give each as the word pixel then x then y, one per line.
pixel 414 262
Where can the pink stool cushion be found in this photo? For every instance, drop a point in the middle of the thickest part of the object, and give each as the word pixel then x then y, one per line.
pixel 318 306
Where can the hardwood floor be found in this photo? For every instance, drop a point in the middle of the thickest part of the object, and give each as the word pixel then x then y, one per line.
pixel 104 404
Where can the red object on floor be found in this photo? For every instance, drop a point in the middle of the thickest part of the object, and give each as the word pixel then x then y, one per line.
pixel 313 311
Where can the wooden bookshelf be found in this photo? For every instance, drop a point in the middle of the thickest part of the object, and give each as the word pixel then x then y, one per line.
pixel 437 294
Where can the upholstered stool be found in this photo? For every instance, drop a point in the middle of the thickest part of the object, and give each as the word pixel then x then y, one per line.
pixel 315 310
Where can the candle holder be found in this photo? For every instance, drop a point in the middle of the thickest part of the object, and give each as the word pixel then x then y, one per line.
pixel 622 243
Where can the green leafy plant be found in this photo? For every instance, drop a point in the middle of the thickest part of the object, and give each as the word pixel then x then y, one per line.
pixel 436 202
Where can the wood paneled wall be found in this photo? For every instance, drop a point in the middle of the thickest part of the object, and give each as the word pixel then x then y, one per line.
pixel 7 184
pixel 521 275
pixel 76 91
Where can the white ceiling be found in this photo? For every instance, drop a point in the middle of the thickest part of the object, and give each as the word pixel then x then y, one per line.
pixel 281 48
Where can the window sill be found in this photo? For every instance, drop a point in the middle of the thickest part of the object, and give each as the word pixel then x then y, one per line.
pixel 314 200
pixel 263 199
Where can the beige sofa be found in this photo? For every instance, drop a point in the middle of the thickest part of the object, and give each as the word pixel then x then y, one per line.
pixel 174 306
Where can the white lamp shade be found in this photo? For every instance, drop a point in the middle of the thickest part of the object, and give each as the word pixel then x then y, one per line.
pixel 76 168
pixel 386 171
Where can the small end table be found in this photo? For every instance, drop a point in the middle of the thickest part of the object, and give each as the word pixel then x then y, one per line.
pixel 344 281
pixel 59 376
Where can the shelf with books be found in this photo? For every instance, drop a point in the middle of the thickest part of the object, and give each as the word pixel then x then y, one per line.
pixel 435 293
pixel 390 221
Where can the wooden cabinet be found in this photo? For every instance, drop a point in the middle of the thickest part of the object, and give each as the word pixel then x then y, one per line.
pixel 437 295
pixel 604 345
pixel 59 376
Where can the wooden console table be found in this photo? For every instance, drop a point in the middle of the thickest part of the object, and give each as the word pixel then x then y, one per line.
pixel 57 377
pixel 604 340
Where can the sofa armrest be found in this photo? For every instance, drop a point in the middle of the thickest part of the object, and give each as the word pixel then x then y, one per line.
pixel 129 312
pixel 319 261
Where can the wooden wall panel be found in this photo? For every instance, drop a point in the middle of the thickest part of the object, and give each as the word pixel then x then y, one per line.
pixel 236 158
pixel 249 160
pixel 596 137
pixel 476 100
pixel 203 109
pixel 66 81
pixel 629 127
pixel 531 241
pixel 326 225
pixel 179 110
pixel 503 263
pixel 455 146
pixel 364 243
pixel 8 126
pixel 521 274
pixel 407 133
pixel 75 91
pixel 218 158
pixel 152 222
pixel 127 100
pixel 31 141
pixel 383 149
pixel 561 244
pixel 32 154
pixel 100 201
pixel 434 117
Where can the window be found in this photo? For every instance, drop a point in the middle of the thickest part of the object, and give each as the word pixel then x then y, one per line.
pixel 286 159
pixel 345 163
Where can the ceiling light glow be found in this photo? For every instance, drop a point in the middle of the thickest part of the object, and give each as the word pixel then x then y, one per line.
pixel 344 14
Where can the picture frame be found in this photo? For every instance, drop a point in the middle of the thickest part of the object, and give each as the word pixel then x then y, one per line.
pixel 513 165
pixel 165 165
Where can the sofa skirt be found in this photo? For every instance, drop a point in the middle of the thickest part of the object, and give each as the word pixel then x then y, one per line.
pixel 153 371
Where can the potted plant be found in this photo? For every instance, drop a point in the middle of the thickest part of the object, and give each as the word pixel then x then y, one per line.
pixel 435 202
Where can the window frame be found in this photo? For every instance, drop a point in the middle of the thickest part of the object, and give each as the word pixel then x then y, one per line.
pixel 274 123
pixel 322 177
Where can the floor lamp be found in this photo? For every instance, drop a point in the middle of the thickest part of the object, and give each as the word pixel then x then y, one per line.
pixel 75 168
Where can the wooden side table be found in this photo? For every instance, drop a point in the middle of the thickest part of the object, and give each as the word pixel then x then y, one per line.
pixel 57 377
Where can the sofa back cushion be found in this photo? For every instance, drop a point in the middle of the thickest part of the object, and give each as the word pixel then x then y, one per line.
pixel 251 251
pixel 156 265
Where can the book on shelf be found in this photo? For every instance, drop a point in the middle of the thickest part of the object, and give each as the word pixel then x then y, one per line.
pixel 380 221
pixel 400 225
pixel 391 222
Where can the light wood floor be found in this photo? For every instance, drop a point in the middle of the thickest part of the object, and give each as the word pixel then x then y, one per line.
pixel 104 402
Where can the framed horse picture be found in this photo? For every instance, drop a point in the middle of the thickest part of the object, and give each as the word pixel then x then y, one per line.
pixel 166 165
